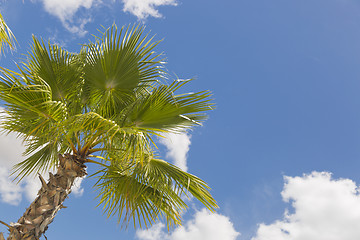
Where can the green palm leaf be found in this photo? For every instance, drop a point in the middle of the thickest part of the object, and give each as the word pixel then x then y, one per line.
pixel 59 69
pixel 151 189
pixel 96 130
pixel 30 109
pixel 6 36
pixel 161 110
pixel 117 63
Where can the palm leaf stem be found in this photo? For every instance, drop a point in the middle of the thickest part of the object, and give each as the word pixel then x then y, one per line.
pixel 88 145
pixel 93 150
pixel 93 161
pixel 78 141
pixel 72 146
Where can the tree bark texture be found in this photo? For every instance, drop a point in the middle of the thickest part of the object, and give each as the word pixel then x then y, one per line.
pixel 49 201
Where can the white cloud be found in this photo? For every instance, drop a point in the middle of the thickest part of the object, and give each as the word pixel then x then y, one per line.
pixel 31 186
pixel 66 9
pixel 145 8
pixel 78 28
pixel 324 209
pixel 178 146
pixel 204 226
pixel 156 232
pixel 67 12
pixel 10 149
pixel 76 189
pixel 10 192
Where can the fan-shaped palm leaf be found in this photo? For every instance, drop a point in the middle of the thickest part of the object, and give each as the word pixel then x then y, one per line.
pixel 151 188
pixel 117 64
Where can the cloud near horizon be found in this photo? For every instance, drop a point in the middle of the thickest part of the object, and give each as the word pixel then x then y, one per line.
pixel 204 226
pixel 323 209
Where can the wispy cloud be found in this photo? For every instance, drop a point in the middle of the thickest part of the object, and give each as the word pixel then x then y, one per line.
pixel 324 209
pixel 204 226
pixel 178 146
pixel 146 8
pixel 67 11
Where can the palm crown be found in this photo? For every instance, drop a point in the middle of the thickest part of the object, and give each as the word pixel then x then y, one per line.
pixel 104 105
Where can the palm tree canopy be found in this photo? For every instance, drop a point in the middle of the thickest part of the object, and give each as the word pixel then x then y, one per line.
pixel 105 104
pixel 6 36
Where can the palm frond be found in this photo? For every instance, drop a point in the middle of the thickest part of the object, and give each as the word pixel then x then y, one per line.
pixel 29 107
pixel 117 63
pixel 32 114
pixel 151 188
pixel 61 70
pixel 97 130
pixel 29 102
pixel 124 195
pixel 6 36
pixel 41 158
pixel 161 110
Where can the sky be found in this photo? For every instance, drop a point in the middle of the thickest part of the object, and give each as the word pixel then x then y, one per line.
pixel 281 150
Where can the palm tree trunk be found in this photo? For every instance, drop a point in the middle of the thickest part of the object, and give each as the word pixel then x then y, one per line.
pixel 49 201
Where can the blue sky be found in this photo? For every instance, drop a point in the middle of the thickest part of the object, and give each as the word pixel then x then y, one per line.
pixel 281 151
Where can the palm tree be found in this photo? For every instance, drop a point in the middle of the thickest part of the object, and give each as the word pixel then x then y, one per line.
pixel 103 106
pixel 6 36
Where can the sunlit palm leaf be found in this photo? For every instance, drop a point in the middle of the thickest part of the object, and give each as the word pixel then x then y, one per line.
pixel 6 36
pixel 124 195
pixel 162 110
pixel 97 130
pixel 183 181
pixel 29 107
pixel 117 63
pixel 39 160
pixel 31 114
pixel 151 188
pixel 61 70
